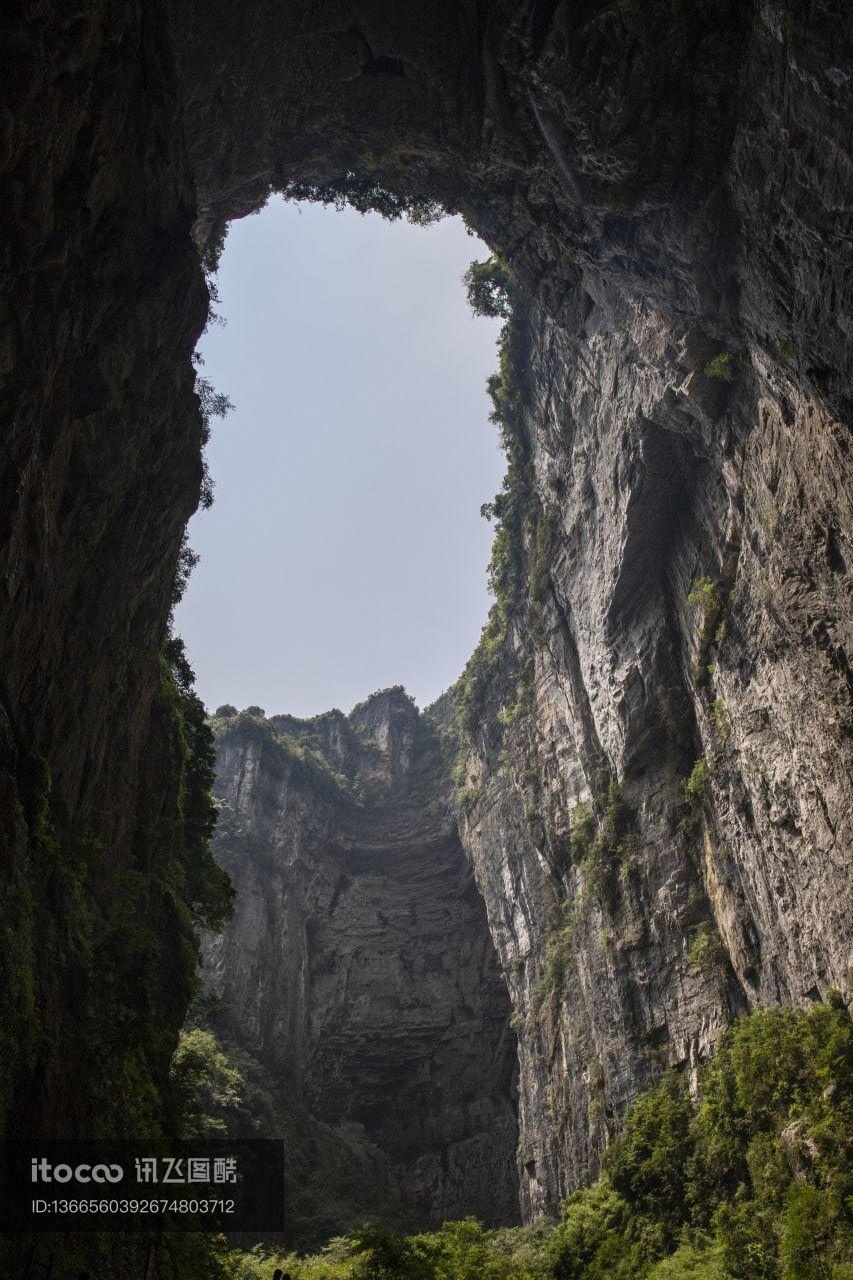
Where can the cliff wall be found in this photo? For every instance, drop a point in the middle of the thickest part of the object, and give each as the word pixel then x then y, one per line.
pixel 359 965
pixel 657 794
pixel 655 797
pixel 670 185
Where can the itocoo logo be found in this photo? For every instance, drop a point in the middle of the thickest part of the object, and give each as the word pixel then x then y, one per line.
pixel 43 1171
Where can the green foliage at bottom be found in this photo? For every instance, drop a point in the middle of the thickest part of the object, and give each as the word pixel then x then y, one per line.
pixel 456 1251
pixel 751 1180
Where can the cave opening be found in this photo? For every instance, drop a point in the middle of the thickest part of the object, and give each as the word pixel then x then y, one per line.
pixel 670 190
pixel 345 550
pixel 358 366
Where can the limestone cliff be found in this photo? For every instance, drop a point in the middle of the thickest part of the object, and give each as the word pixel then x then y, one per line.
pixel 670 185
pixel 656 797
pixel 657 801
pixel 359 965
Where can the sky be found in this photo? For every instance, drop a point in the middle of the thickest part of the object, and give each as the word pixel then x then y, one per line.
pixel 345 550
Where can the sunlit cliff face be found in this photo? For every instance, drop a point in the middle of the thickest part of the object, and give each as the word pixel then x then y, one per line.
pixel 665 190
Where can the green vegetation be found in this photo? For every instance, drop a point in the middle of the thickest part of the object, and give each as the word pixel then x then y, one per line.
pixel 539 574
pixel 224 1089
pixel 211 254
pixel 710 599
pixel 179 893
pixel 599 832
pixel 294 749
pixel 456 1251
pixel 706 950
pixel 721 367
pixel 693 791
pixel 367 195
pixel 706 595
pixel 126 941
pixel 212 404
pixel 490 288
pixel 236 844
pixel 187 561
pixel 207 1086
pixel 751 1184
pixel 600 841
pixel 200 891
pixel 500 669
pixel 751 1180
pixel 559 956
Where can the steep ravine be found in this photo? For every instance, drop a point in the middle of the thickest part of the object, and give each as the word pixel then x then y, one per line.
pixel 663 650
pixel 670 185
pixel 359 965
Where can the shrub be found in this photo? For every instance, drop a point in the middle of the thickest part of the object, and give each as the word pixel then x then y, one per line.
pixel 187 561
pixel 212 404
pixel 647 1166
pixel 721 719
pixel 721 367
pixel 583 830
pixel 490 288
pixel 698 1260
pixel 809 1244
pixel 706 595
pixel 207 1085
pixel 706 950
pixel 367 195
pixel 694 787
pixel 384 1255
pixel 211 252
pixel 591 1242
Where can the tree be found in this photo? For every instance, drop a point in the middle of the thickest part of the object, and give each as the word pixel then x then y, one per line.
pixel 490 288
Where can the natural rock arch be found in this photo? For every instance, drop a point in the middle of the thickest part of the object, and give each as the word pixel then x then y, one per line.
pixel 668 181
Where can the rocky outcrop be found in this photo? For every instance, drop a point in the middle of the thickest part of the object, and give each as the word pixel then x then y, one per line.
pixel 359 964
pixel 102 299
pixel 674 697
pixel 669 191
pixel 670 186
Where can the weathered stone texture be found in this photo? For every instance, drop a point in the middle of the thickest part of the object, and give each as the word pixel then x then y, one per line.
pixel 670 184
pixel 360 965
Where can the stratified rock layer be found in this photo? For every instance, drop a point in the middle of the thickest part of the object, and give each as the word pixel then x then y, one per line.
pixel 359 965
pixel 684 625
pixel 670 185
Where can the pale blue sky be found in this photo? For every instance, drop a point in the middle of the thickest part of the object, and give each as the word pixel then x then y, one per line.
pixel 345 550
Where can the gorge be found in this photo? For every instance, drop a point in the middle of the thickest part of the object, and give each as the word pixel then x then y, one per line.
pixel 632 822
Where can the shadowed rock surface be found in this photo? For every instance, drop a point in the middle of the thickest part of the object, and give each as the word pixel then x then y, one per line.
pixel 671 185
pixel 359 964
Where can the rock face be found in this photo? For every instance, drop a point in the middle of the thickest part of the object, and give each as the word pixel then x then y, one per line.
pixel 635 953
pixel 102 300
pixel 671 187
pixel 359 964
